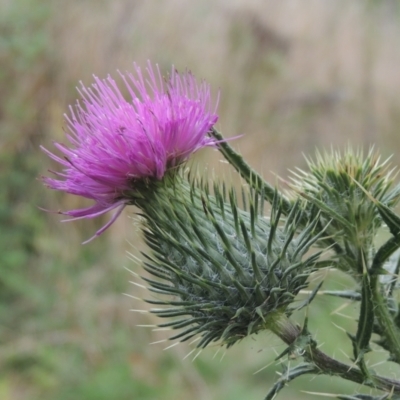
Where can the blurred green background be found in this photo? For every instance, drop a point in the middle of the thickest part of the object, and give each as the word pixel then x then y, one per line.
pixel 293 75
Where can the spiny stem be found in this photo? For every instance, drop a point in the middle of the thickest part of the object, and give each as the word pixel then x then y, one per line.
pixel 249 175
pixel 385 320
pixel 365 320
pixel 292 334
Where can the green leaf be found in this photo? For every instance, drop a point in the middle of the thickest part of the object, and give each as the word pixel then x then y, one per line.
pixel 366 319
pixel 384 252
pixel 330 211
pixel 388 215
pixel 309 299
pixel 288 376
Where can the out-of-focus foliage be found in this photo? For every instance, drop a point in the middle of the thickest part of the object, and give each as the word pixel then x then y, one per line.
pixel 292 75
pixel 24 59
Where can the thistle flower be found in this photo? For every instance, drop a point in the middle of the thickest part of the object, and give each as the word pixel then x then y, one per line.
pixel 222 273
pixel 116 145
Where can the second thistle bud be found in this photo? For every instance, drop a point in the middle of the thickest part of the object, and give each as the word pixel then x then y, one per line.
pixel 222 273
pixel 342 188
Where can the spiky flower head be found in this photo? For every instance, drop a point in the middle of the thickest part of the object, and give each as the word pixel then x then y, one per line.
pixel 222 273
pixel 343 188
pixel 117 144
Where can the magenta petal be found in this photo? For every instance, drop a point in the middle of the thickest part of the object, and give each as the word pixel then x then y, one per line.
pixel 90 212
pixel 107 225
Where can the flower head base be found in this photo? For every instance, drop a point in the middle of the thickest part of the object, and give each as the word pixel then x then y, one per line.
pixel 222 273
pixel 117 143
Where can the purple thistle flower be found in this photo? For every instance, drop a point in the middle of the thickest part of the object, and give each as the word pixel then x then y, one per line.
pixel 115 143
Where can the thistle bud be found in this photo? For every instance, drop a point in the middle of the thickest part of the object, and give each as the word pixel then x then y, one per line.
pixel 222 273
pixel 343 189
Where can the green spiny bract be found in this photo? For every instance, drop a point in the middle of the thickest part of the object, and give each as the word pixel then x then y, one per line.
pixel 223 273
pixel 342 189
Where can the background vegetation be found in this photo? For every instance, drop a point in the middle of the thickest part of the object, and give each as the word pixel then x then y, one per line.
pixel 293 75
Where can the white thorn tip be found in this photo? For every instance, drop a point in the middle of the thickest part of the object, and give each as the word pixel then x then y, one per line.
pixel 172 345
pixel 132 297
pixel 159 341
pixel 138 284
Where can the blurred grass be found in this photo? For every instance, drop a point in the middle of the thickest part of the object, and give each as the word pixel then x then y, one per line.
pixel 293 75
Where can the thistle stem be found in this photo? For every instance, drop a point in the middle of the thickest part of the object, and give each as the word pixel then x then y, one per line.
pixel 293 336
pixel 248 174
pixel 385 320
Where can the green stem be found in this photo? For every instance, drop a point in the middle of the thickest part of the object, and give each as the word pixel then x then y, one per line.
pixel 304 345
pixel 365 319
pixel 385 320
pixel 249 175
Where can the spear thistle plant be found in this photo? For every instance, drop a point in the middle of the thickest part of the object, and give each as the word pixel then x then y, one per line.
pixel 223 269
